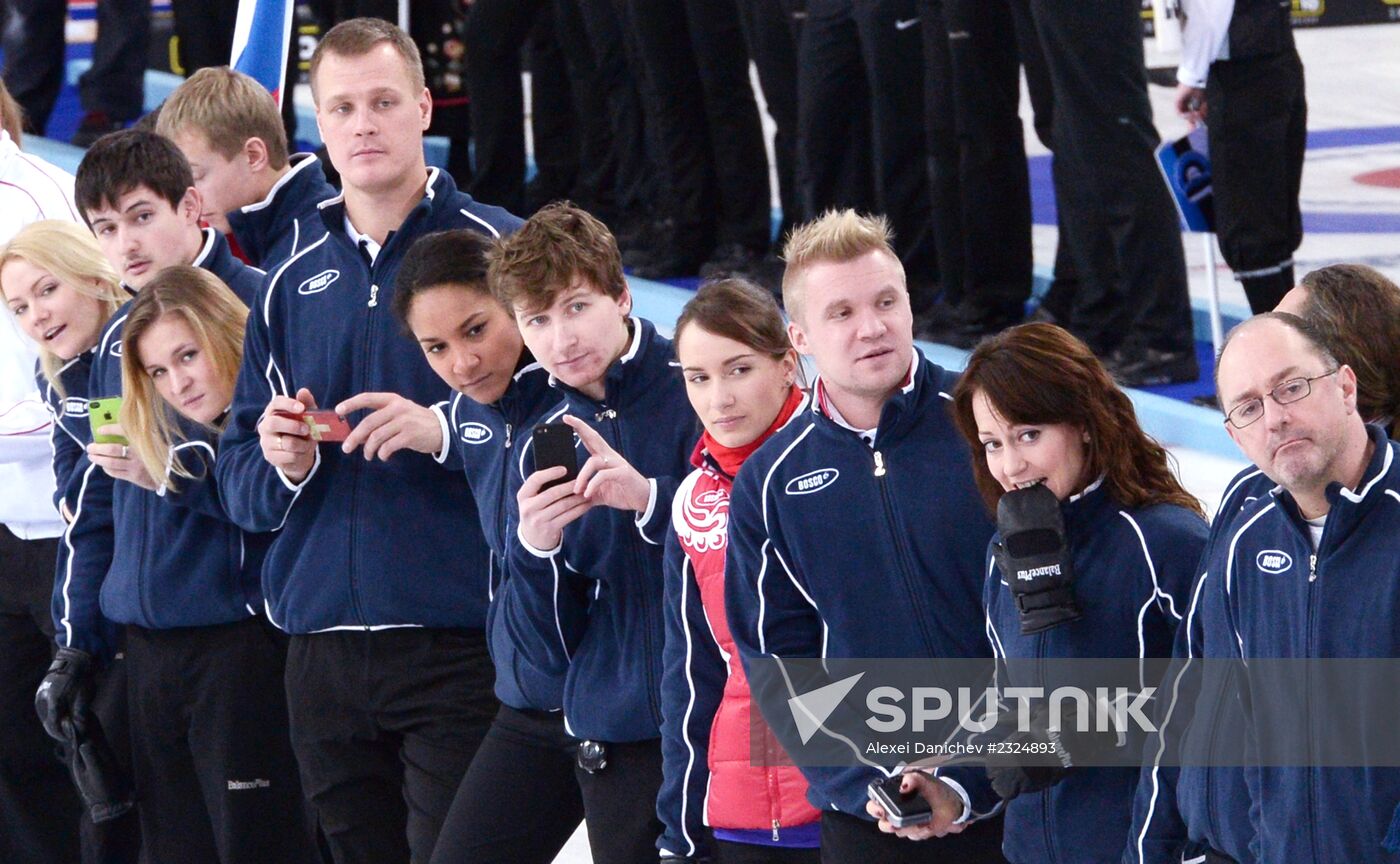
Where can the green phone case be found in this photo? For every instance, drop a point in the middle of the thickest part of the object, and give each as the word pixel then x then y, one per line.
pixel 105 412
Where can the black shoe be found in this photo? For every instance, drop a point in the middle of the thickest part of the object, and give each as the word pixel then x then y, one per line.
pixel 668 263
pixel 94 125
pixel 731 259
pixel 1150 367
pixel 970 322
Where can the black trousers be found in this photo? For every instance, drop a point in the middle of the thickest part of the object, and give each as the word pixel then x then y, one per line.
pixel 384 725
pixel 205 29
pixel 735 133
pixel 1105 172
pixel 611 44
pixel 34 58
pixel 977 156
pixel 495 33
pixel 860 78
pixel 726 852
pixel 215 775
pixel 1258 117
pixel 619 803
pixel 850 839
pixel 519 802
pixel 597 184
pixel 771 34
pixel 39 808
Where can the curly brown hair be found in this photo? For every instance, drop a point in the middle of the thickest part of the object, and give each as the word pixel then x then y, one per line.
pixel 1041 374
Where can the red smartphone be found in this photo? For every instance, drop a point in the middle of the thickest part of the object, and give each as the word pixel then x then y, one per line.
pixel 326 426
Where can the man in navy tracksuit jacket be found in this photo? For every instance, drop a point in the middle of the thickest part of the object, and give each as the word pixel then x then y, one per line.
pixel 269 231
pixel 365 546
pixel 379 571
pixel 602 589
pixel 857 531
pixel 1310 573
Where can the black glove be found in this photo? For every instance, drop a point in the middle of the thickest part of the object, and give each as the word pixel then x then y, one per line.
pixel 1038 757
pixel 1035 758
pixel 105 789
pixel 65 690
pixel 1035 559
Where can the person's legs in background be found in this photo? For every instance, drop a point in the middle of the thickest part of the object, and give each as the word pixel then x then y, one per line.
pixel 34 57
pixel 112 90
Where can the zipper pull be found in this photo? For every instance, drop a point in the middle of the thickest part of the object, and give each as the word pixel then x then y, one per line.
pixel 879 464
pixel 373 296
pixel 775 830
pixel 605 414
pixel 507 436
pixel 1312 568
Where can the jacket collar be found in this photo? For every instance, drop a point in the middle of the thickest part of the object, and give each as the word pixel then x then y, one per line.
pixel 437 195
pixel 1350 506
pixel 1086 508
pixel 647 359
pixel 726 461
pixel 253 228
pixel 903 405
pixel 529 390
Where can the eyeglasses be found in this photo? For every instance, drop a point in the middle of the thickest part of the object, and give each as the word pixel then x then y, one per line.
pixel 1288 392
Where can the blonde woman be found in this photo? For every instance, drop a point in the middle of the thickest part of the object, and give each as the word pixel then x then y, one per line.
pixel 212 760
pixel 61 291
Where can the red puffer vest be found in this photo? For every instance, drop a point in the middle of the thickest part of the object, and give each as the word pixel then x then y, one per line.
pixel 741 794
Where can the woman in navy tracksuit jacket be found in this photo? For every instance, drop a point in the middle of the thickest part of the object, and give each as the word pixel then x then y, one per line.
pixel 471 341
pixel 1037 407
pixel 1203 805
pixel 213 764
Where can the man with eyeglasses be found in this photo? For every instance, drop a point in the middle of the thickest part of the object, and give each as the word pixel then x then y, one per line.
pixel 1309 571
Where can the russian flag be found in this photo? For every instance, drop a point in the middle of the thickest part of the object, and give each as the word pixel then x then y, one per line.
pixel 260 41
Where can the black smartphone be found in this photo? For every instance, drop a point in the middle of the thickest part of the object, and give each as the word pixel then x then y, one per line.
pixel 554 446
pixel 903 810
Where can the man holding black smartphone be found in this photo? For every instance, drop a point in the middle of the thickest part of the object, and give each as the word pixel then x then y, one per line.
pixel 380 569
pixel 625 400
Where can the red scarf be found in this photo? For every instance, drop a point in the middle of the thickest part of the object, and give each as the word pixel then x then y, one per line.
pixel 731 458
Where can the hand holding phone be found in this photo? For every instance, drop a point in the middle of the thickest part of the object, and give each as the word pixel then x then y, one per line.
pixel 324 426
pixel 105 412
pixel 902 809
pixel 554 447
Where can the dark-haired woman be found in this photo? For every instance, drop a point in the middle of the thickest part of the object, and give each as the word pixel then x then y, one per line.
pixel 1037 407
pixel 740 372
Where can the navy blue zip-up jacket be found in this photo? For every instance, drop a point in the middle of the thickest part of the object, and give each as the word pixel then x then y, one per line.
pixel 361 544
pixel 1199 805
pixel 1132 573
pixel 71 431
pixel 838 549
pixel 485 442
pixel 177 560
pixel 270 231
pixel 601 589
pixel 1285 600
pixel 88 542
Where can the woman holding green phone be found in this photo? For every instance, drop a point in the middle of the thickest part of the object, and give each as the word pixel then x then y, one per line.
pixel 212 757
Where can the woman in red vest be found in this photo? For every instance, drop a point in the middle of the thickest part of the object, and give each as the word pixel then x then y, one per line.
pixel 740 373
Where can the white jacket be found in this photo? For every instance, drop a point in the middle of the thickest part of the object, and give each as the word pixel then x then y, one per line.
pixel 30 189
